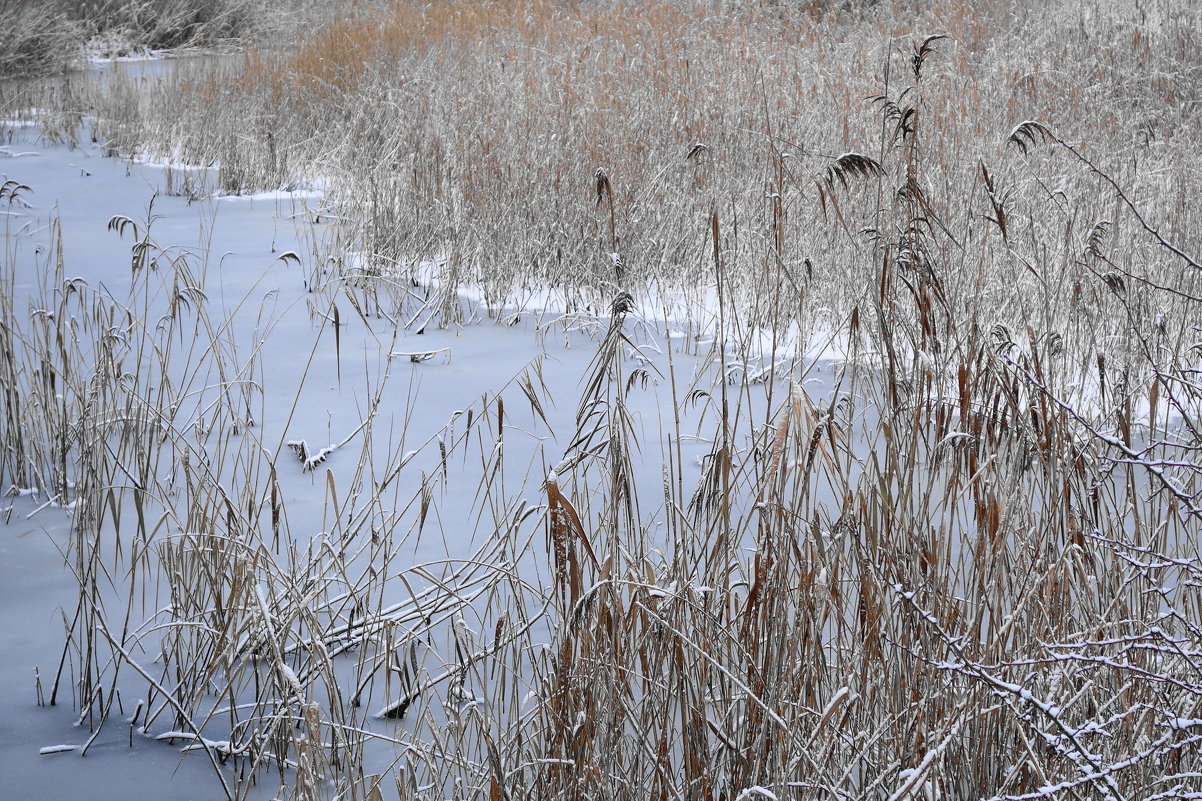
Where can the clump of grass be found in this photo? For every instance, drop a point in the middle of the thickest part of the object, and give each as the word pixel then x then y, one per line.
pixel 36 37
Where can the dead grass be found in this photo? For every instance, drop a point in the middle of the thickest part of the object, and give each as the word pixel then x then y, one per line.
pixel 44 37
pixel 476 129
pixel 969 571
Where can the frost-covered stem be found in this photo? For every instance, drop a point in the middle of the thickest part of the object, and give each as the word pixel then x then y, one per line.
pixel 1122 195
pixel 1099 777
pixel 1158 748
pixel 183 713
pixel 1133 455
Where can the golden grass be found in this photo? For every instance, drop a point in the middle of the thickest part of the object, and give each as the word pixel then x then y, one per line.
pixel 476 128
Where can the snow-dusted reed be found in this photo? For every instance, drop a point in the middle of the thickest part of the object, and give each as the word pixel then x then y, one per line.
pixel 597 435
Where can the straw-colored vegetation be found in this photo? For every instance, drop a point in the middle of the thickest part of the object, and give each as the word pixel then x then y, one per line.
pixel 970 570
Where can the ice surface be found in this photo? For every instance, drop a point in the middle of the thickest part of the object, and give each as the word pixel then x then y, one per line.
pixel 314 396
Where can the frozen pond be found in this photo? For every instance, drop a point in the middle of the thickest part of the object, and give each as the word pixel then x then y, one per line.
pixel 251 352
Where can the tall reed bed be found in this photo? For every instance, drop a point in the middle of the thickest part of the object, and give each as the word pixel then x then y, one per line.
pixel 48 36
pixel 587 146
pixel 966 569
